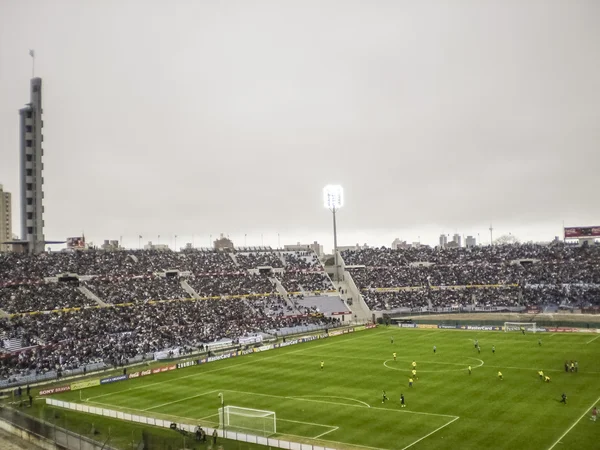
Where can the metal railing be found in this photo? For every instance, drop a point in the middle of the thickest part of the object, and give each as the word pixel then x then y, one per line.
pixel 51 432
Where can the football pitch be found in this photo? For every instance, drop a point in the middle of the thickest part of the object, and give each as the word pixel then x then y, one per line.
pixel 341 405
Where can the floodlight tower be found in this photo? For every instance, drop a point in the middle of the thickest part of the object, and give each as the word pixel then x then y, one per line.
pixel 333 199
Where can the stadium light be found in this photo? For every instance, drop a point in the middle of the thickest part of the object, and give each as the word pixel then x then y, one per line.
pixel 333 199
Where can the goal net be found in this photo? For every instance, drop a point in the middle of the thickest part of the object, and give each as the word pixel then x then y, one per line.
pixel 519 326
pixel 263 423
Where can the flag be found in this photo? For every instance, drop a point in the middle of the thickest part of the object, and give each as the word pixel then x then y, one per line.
pixel 32 53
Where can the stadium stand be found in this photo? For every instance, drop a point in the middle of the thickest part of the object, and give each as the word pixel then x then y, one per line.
pixel 21 298
pixel 148 309
pixel 513 275
pixel 157 286
pixel 136 289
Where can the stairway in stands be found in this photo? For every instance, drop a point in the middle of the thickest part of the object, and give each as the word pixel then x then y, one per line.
pixel 187 288
pixel 283 292
pixel 89 294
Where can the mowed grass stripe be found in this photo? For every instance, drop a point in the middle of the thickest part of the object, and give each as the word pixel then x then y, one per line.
pixel 521 410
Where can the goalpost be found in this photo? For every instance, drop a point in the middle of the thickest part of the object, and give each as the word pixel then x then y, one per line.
pixel 263 423
pixel 518 326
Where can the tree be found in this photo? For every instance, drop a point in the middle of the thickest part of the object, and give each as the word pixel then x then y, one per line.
pixel 506 239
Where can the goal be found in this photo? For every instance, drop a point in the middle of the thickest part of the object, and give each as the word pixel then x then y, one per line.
pixel 256 421
pixel 517 326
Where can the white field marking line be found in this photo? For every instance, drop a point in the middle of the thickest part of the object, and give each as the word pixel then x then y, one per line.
pixel 379 359
pixel 332 396
pixel 180 400
pixel 593 339
pixel 333 428
pixel 576 422
pixel 437 371
pixel 335 442
pixel 327 432
pixel 208 417
pixel 198 374
pixel 341 404
pixel 427 435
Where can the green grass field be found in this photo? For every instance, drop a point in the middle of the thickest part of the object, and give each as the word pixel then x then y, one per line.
pixel 341 405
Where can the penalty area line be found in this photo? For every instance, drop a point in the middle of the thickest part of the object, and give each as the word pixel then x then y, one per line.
pixel 434 431
pixel 327 432
pixel 589 342
pixel 576 422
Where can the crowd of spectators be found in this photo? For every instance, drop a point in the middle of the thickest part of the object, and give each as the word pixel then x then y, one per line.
pixel 259 259
pixel 21 298
pixel 115 334
pixel 271 305
pixel 556 252
pixel 557 273
pixel 301 261
pixel 307 281
pixel 443 298
pixel 231 284
pixel 137 289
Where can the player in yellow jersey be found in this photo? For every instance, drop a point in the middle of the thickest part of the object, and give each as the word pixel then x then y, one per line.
pixel 414 364
pixel 541 374
pixel 322 365
pixel 547 379
pixel 410 382
pixel 394 354
pixel 470 370
pixel 500 375
pixel 414 374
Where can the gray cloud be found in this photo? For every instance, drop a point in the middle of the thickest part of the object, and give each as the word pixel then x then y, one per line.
pixel 188 117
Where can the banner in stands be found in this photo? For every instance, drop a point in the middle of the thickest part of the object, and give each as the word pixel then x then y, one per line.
pixel 407 325
pixel 338 332
pixel 166 354
pixel 251 340
pixel 55 390
pixel 113 379
pixel 448 327
pixel 85 384
pixel 220 344
pixel 577 232
pixel 426 325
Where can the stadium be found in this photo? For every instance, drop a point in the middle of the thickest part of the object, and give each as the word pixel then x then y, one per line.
pixel 268 347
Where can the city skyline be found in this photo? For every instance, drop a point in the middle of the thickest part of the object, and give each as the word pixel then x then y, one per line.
pixel 432 123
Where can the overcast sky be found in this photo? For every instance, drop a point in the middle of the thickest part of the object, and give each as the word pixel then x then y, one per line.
pixel 201 117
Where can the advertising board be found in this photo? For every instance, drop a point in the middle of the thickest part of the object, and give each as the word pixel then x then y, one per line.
pixel 84 384
pixel 55 390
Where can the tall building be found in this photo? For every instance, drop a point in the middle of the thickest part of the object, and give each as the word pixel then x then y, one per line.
pixel 443 240
pixel 32 181
pixel 470 242
pixel 5 219
pixel 457 240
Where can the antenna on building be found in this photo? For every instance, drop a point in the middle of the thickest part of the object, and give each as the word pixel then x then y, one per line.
pixel 491 234
pixel 32 54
